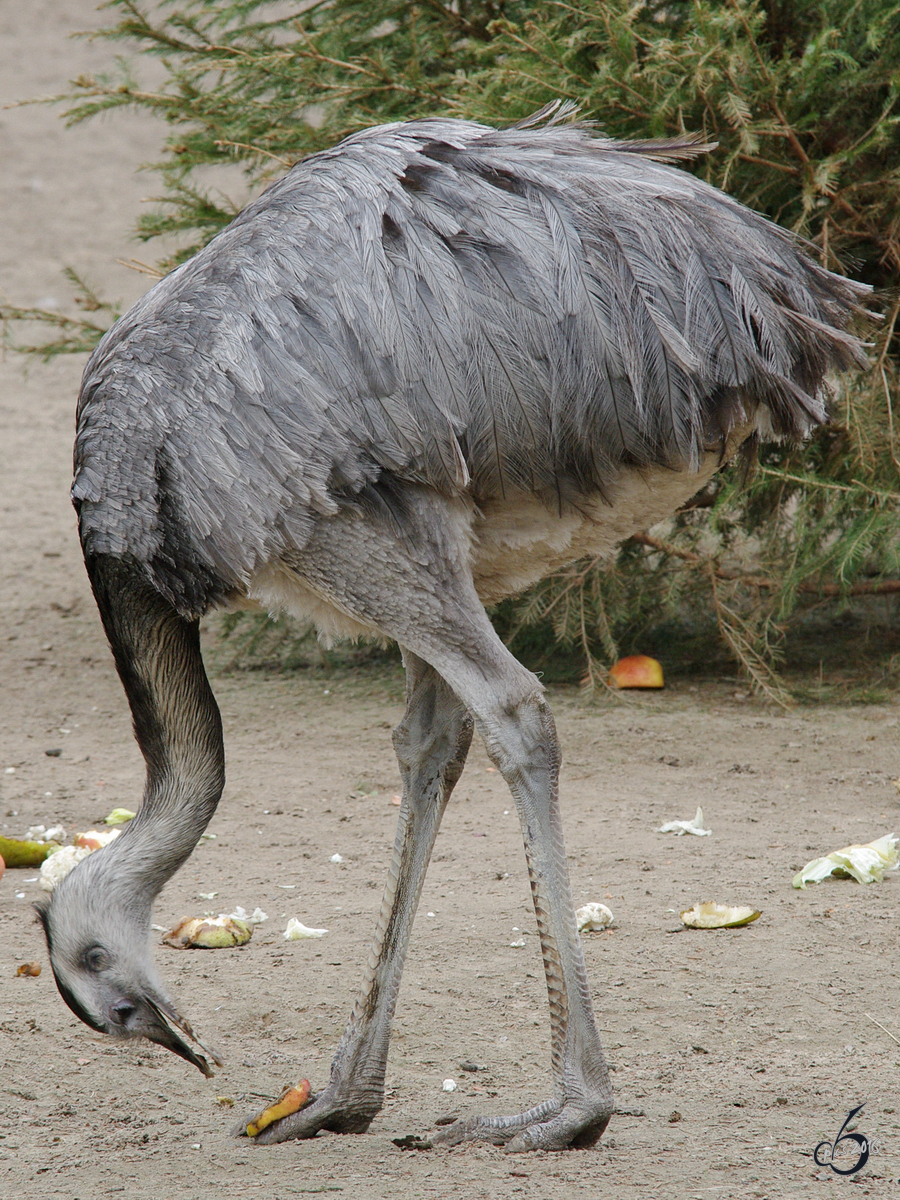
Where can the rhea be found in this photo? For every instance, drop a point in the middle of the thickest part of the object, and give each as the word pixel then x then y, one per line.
pixel 421 371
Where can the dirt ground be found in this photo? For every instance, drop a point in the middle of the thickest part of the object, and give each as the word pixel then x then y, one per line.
pixel 734 1052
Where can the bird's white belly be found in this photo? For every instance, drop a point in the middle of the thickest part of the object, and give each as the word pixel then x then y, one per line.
pixel 510 543
pixel 516 542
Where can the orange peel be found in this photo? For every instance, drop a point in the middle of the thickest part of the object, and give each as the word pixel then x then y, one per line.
pixel 291 1100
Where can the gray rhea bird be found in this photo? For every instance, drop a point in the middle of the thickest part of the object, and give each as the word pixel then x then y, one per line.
pixel 421 371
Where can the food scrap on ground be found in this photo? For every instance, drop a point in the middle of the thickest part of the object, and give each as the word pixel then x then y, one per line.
pixel 291 1100
pixel 95 839
pixel 119 816
pixel 17 852
pixel 865 864
pixel 636 671
pixel 593 916
pixel 682 827
pixel 41 833
pixel 209 933
pixel 60 860
pixel 296 930
pixel 255 918
pixel 55 868
pixel 710 915
pixel 31 969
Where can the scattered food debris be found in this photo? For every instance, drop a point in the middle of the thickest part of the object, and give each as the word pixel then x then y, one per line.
pixel 119 816
pixel 865 864
pixel 636 671
pixel 710 915
pixel 291 1100
pixel 212 933
pixel 336 858
pixel 40 833
pixel 679 828
pixel 18 853
pixel 297 930
pixel 60 862
pixel 32 969
pixel 95 839
pixel 449 1085
pixel 593 916
pixel 255 918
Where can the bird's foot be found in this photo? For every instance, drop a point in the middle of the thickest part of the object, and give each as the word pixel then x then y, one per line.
pixel 553 1125
pixel 330 1109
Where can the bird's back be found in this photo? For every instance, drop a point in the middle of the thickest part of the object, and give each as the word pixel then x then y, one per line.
pixel 488 313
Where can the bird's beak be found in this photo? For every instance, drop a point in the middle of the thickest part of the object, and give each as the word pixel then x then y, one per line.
pixel 157 1027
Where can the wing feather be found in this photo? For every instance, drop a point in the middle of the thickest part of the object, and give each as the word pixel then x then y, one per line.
pixel 450 305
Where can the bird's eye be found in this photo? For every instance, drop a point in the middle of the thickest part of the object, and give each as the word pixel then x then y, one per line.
pixel 95 959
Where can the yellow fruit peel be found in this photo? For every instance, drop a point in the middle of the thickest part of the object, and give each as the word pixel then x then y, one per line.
pixel 291 1100
pixel 710 915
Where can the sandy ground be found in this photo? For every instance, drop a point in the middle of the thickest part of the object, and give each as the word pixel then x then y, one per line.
pixel 734 1052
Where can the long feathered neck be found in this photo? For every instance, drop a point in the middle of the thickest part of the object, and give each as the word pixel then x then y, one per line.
pixel 176 723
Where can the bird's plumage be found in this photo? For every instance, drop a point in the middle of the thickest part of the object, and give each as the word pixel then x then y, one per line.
pixel 420 371
pixel 482 311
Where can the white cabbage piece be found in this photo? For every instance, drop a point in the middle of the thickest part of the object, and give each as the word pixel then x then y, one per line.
pixel 865 864
pixel 297 930
pixel 255 918
pixel 682 827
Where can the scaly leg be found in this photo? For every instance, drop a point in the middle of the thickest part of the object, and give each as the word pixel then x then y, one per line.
pixel 522 742
pixel 431 743
pixel 416 586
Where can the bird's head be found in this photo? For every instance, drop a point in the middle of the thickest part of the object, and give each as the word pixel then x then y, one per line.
pixel 101 961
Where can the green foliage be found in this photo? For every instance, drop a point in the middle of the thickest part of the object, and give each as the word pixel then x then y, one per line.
pixel 802 97
pixel 74 334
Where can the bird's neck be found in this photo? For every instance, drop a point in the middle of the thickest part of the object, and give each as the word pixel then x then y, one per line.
pixel 171 820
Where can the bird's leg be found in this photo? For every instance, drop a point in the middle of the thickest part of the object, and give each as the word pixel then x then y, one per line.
pixel 421 592
pixel 521 740
pixel 431 743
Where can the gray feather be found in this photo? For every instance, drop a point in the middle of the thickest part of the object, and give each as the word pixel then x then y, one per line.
pixel 439 302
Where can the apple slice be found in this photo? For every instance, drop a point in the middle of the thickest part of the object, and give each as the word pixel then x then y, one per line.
pixel 95 839
pixel 291 1100
pixel 636 671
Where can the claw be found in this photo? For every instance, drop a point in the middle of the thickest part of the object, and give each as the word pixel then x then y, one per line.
pixel 548 1126
pixel 291 1100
